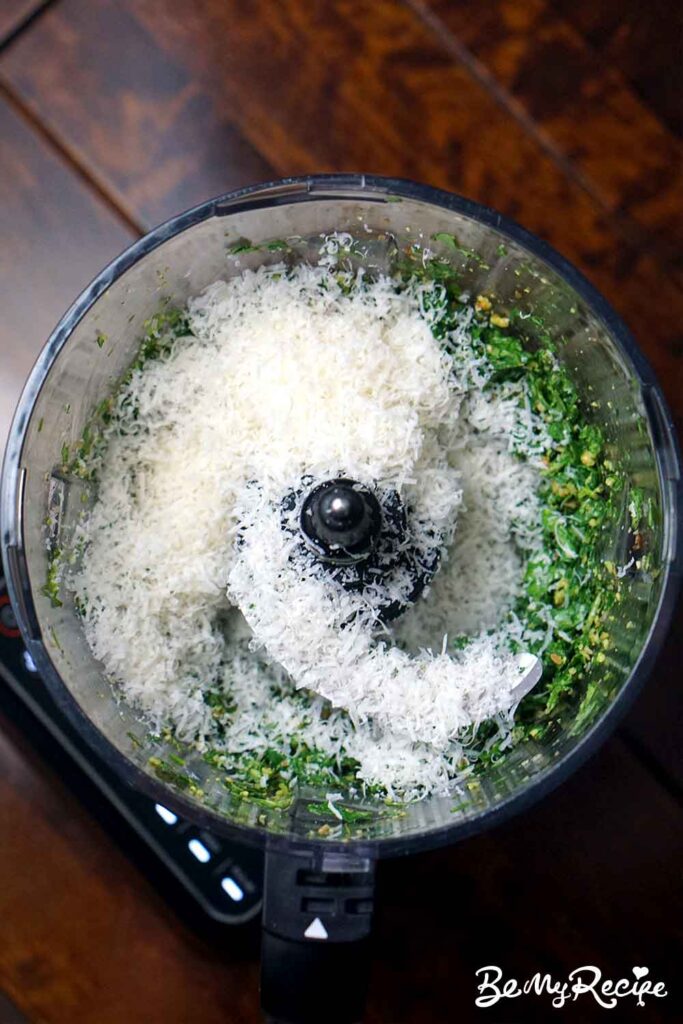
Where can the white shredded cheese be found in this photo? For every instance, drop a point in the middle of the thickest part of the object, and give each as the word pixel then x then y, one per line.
pixel 287 376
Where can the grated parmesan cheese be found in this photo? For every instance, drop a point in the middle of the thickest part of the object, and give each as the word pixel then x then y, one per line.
pixel 286 375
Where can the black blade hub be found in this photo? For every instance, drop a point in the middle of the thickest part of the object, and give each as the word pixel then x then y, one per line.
pixel 360 536
pixel 341 521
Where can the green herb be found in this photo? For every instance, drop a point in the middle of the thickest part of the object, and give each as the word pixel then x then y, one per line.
pixel 167 772
pixel 242 246
pixel 348 815
pixel 55 639
pixel 101 339
pixel 273 778
pixel 450 241
pixel 567 585
pixel 222 703
pixel 51 586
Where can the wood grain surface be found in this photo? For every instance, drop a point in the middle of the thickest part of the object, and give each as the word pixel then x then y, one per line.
pixel 584 112
pixel 84 939
pixel 645 43
pixel 115 114
pixel 55 237
pixel 138 122
pixel 395 102
pixel 15 13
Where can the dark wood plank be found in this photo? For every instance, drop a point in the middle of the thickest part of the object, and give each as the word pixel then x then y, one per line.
pixel 655 723
pixel 569 882
pixel 9 1013
pixel 346 84
pixel 645 42
pixel 584 108
pixel 56 237
pixel 575 880
pixel 84 936
pixel 14 13
pixel 156 140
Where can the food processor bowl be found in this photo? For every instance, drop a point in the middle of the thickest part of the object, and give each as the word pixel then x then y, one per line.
pixel 41 504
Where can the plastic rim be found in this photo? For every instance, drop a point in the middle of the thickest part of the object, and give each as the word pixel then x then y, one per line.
pixel 284 192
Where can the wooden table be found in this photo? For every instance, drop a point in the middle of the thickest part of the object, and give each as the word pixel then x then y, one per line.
pixel 115 114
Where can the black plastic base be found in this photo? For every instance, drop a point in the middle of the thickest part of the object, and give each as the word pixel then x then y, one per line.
pixel 307 983
pixel 317 916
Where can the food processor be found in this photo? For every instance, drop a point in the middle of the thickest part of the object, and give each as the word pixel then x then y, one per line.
pixel 319 877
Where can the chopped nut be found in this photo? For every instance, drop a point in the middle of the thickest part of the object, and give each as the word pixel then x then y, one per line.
pixel 587 458
pixel 500 321
pixel 562 490
pixel 324 830
pixel 556 659
pixel 482 303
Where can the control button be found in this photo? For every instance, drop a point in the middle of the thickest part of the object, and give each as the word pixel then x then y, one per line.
pixel 168 816
pixel 198 850
pixel 230 886
pixel 30 664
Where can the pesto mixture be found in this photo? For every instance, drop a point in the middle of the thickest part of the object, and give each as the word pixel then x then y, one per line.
pixel 568 591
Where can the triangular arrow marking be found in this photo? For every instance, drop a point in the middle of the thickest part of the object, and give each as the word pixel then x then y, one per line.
pixel 316 930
